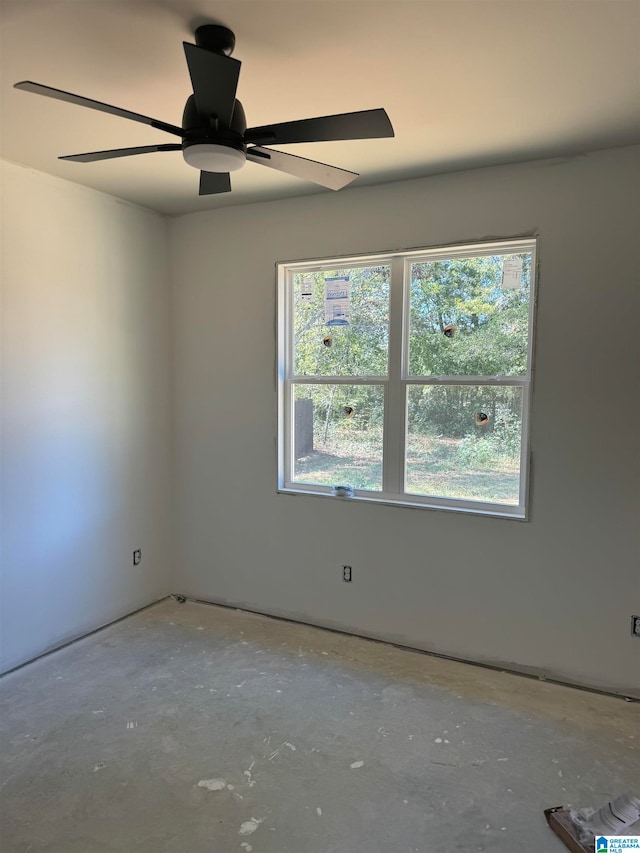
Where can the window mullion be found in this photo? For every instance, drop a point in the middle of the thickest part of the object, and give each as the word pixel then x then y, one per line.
pixel 338 380
pixel 394 408
pixel 497 381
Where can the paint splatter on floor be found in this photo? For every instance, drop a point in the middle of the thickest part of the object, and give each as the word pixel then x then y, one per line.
pixel 212 784
pixel 250 826
pixel 250 780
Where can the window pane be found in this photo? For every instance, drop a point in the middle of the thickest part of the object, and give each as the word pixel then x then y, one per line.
pixel 356 349
pixel 470 316
pixel 338 435
pixel 463 441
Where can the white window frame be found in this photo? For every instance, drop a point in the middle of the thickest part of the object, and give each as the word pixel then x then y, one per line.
pixel 397 380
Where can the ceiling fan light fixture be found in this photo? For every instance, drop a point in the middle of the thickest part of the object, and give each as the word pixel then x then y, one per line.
pixel 214 157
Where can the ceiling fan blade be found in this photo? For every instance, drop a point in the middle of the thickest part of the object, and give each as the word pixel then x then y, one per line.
pixel 59 95
pixel 308 170
pixel 367 124
pixel 92 156
pixel 214 182
pixel 214 78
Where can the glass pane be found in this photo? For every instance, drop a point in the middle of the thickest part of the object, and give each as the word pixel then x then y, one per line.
pixel 470 316
pixel 463 441
pixel 325 347
pixel 338 435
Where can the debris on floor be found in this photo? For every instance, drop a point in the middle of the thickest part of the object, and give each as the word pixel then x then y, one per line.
pixel 560 821
pixel 579 830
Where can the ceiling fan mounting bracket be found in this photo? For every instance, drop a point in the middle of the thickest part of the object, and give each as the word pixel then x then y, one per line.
pixel 215 38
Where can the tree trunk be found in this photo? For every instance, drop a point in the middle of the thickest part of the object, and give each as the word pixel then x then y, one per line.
pixel 326 423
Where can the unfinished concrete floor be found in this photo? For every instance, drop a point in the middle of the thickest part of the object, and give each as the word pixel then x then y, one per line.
pixel 189 728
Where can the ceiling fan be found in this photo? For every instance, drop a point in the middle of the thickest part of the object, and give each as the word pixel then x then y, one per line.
pixel 214 133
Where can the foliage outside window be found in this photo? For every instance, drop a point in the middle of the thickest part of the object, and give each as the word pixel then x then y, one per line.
pixel 421 397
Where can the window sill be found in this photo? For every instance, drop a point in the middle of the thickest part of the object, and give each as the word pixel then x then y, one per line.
pixel 515 513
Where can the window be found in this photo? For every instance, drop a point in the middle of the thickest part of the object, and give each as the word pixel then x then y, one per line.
pixel 405 377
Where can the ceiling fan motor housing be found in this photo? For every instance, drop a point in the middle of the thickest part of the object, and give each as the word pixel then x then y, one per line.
pixel 212 148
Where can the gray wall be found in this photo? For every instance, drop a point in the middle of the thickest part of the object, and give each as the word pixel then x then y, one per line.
pixel 86 416
pixel 85 450
pixel 551 595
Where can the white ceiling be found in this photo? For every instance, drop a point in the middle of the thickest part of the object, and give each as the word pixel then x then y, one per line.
pixel 465 83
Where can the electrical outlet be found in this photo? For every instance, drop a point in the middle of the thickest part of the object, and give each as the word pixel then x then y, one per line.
pixel 137 557
pixel 635 626
pixel 346 573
